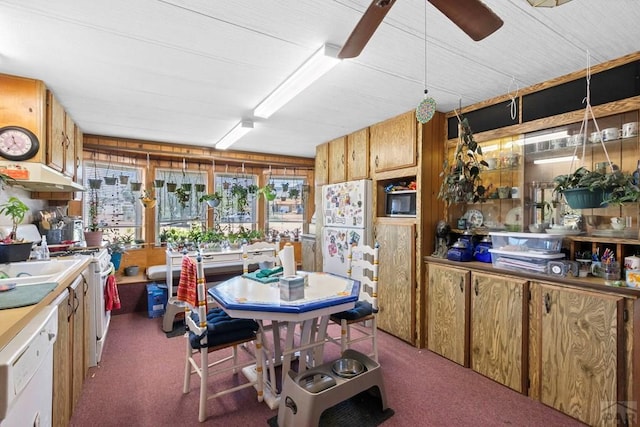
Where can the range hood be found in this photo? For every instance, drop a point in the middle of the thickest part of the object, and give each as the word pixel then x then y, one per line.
pixel 38 177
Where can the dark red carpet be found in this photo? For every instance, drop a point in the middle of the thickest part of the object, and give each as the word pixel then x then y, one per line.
pixel 139 383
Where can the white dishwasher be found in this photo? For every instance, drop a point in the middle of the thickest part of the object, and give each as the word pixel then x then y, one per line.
pixel 26 373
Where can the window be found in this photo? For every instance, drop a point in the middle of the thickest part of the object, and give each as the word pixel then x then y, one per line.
pixel 238 205
pixel 286 212
pixel 178 207
pixel 119 212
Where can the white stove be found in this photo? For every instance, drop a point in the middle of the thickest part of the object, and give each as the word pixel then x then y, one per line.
pixel 99 318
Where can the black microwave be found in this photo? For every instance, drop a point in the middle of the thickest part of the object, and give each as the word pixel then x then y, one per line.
pixel 401 203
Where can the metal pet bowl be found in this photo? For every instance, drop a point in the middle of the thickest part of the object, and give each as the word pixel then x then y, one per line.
pixel 347 368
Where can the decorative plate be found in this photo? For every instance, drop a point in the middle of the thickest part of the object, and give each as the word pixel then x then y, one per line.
pixel 474 217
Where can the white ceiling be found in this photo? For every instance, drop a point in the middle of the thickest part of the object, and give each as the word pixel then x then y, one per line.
pixel 186 71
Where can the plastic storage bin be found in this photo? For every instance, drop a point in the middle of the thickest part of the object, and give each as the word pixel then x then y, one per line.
pixel 523 261
pixel 531 243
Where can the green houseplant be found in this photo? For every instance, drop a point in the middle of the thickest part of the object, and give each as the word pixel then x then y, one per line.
pixel 212 199
pixel 461 182
pixel 585 189
pixel 13 250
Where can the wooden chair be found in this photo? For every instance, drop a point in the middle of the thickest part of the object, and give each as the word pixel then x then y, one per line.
pixel 209 331
pixel 362 265
pixel 260 252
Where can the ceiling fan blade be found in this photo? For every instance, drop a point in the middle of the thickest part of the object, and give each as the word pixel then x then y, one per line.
pixel 472 16
pixel 367 25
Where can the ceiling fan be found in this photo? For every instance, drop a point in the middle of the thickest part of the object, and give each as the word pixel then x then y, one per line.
pixel 472 16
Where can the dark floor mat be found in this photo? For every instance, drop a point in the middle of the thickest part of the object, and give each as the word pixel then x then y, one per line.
pixel 362 410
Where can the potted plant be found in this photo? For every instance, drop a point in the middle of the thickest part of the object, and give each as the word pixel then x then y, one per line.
pixel 93 235
pixel 212 200
pixel 182 196
pixel 147 198
pixel 294 193
pixel 584 189
pixel 268 191
pixel 461 181
pixel 116 248
pixel 12 250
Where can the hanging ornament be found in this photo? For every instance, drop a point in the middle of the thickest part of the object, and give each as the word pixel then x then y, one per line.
pixel 427 107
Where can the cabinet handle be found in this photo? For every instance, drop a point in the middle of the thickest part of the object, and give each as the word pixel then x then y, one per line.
pixel 76 302
pixel 547 302
pixel 353 155
pixel 475 288
pixel 342 159
pixel 376 161
pixel 462 284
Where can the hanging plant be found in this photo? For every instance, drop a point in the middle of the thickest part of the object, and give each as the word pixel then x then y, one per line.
pixel 294 193
pixel 94 183
pixel 158 183
pixel 285 186
pixel 268 191
pixel 136 186
pixel 124 179
pixel 212 200
pixel 199 188
pixel 182 196
pixel 461 181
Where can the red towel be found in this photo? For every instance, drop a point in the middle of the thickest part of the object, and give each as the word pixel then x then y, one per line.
pixel 111 296
pixel 187 287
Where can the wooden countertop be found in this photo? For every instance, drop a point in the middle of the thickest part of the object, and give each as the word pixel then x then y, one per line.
pixel 595 283
pixel 12 320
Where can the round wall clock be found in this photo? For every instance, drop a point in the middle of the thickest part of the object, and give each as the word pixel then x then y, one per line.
pixel 18 143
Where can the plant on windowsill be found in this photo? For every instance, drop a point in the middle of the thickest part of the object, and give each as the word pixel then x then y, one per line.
pixel 461 182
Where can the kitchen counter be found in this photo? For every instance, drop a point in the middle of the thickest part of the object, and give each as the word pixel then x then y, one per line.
pixel 14 319
pixel 583 282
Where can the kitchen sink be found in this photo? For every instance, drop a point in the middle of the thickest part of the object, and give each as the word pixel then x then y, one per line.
pixel 32 272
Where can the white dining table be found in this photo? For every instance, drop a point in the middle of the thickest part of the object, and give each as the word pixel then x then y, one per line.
pixel 325 294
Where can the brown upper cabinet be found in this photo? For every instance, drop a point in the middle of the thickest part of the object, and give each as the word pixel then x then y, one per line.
pixel 23 104
pixel 393 143
pixel 322 167
pixel 358 155
pixel 61 137
pixel 337 160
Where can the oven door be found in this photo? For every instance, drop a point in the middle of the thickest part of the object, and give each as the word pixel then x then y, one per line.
pixel 103 316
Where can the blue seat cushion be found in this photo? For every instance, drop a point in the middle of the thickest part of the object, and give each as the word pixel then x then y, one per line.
pixel 223 329
pixel 361 309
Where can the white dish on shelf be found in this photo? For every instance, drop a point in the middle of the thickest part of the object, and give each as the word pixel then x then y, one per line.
pixel 514 216
pixel 607 232
pixel 474 217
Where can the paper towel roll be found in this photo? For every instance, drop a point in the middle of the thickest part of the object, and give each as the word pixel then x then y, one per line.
pixel 288 260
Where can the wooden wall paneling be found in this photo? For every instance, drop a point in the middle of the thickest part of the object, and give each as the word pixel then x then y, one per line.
pixel 24 104
pixel 322 164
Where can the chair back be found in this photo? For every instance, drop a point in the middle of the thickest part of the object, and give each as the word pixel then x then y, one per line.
pixel 259 252
pixel 362 265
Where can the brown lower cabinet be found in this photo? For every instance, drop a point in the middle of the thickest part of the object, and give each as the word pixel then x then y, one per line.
pixel 69 352
pixel 571 348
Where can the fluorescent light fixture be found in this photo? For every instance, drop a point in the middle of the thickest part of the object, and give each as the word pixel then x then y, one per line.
pixel 545 137
pixel 555 160
pixel 238 131
pixel 323 60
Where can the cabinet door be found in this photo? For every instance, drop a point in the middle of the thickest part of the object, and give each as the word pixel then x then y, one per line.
pixel 322 168
pixel 581 351
pixel 55 133
pixel 498 323
pixel 69 147
pixel 396 285
pixel 393 143
pixel 358 155
pixel 78 361
pixel 62 365
pixel 337 160
pixel 448 302
pixel 308 254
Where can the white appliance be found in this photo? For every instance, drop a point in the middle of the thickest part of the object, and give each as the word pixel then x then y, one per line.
pixel 99 318
pixel 347 219
pixel 26 372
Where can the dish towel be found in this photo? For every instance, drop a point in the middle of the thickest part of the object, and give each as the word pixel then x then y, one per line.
pixel 111 296
pixel 187 287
